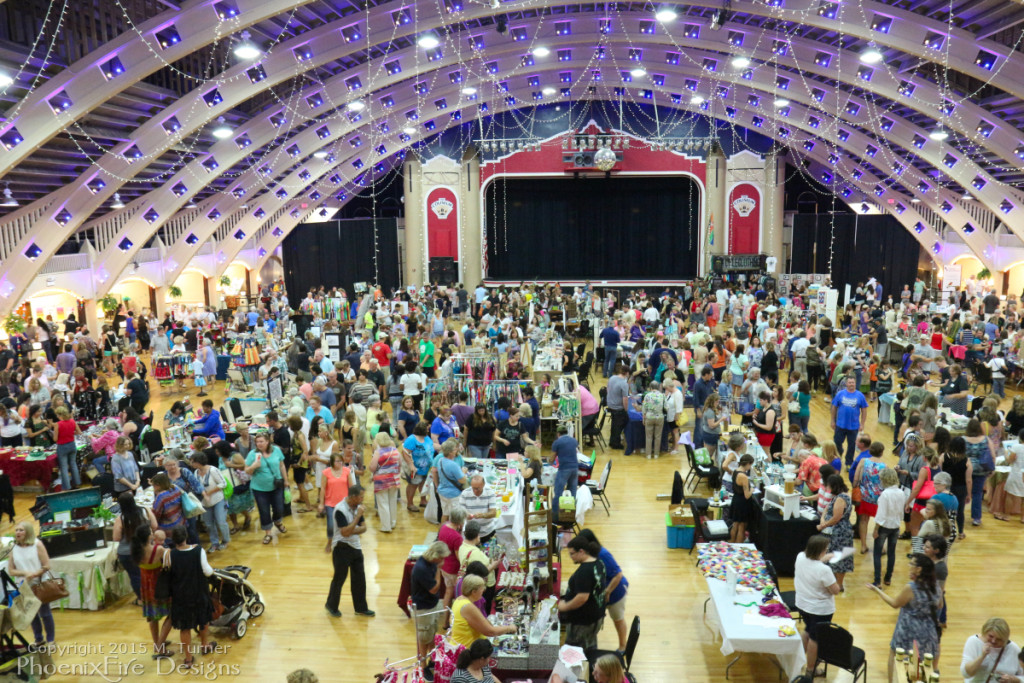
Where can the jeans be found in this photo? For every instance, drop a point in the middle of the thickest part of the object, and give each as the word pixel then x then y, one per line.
pixel 348 559
pixel 960 491
pixel 977 495
pixel 803 421
pixel 396 408
pixel 610 356
pixel 563 478
pixel 267 500
pixel 134 575
pixel 192 527
pixel 619 421
pixel 698 430
pixel 66 458
pixel 44 617
pixel 652 434
pixel 890 535
pixel 387 508
pixel 479 452
pixel 999 386
pixel 850 437
pixel 216 519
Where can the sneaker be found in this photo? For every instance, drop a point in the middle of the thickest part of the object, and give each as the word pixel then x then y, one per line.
pixel 365 613
pixel 333 612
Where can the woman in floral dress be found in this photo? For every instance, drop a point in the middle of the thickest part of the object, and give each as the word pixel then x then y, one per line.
pixel 837 520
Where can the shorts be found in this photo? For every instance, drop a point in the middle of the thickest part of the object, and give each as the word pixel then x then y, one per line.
pixel 812 621
pixel 449 579
pixel 414 479
pixel 446 504
pixel 617 610
pixel 737 380
pixel 426 624
pixel 108 354
pixel 867 509
pixel 300 474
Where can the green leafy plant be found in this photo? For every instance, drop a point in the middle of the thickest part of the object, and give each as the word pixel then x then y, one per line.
pixel 109 304
pixel 225 281
pixel 14 324
pixel 174 291
pixel 100 512
pixel 984 274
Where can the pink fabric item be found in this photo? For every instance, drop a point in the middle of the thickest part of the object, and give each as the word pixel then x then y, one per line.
pixel 105 442
pixel 775 610
pixel 957 351
pixel 588 404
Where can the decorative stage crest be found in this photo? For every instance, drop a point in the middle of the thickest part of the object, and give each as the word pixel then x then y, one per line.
pixel 744 205
pixel 442 207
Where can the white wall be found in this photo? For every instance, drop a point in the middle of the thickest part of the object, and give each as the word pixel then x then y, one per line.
pixel 137 293
pixel 191 283
pixel 54 303
pixel 272 270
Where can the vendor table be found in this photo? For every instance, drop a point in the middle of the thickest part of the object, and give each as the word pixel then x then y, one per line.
pixel 995 489
pixel 20 470
pixel 636 436
pixel 781 541
pixel 739 636
pixel 92 581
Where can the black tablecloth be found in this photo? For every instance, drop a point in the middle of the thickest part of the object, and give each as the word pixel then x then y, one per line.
pixel 636 438
pixel 781 541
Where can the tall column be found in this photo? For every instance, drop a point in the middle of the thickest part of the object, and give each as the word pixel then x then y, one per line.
pixel 415 225
pixel 714 183
pixel 160 298
pixel 92 318
pixel 775 199
pixel 471 229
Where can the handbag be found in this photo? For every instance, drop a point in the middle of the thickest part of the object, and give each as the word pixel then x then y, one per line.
pixel 794 406
pixel 190 505
pixel 855 494
pixel 23 609
pixel 50 589
pixel 162 588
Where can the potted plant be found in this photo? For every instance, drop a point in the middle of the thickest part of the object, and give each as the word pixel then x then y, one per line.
pixel 14 324
pixel 174 291
pixel 225 281
pixel 984 274
pixel 109 304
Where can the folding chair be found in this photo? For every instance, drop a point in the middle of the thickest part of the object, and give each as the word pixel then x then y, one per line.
pixel 702 530
pixel 626 656
pixel 835 646
pixel 595 430
pixel 697 472
pixel 788 597
pixel 597 489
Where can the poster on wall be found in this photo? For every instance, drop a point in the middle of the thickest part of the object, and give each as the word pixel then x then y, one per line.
pixel 951 278
pixel 744 219
pixel 442 211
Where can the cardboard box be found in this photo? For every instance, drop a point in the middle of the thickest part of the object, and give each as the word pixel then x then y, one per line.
pixel 680 515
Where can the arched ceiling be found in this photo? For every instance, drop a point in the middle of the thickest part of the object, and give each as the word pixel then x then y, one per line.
pixel 126 95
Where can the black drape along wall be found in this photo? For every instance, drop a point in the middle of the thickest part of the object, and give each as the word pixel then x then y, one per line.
pixel 338 253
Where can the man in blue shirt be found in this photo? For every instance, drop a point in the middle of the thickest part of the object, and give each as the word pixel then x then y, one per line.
pixel 610 339
pixel 209 424
pixel 564 450
pixel 849 412
pixel 251 318
pixel 863 446
pixel 655 360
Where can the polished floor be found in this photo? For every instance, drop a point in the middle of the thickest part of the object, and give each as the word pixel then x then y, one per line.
pixel 677 643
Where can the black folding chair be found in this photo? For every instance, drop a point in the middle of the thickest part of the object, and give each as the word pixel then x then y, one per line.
pixel 702 532
pixel 598 488
pixel 626 656
pixel 835 647
pixel 594 431
pixel 697 473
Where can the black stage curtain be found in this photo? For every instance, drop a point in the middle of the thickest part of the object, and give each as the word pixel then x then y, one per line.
pixel 338 253
pixel 609 228
pixel 865 246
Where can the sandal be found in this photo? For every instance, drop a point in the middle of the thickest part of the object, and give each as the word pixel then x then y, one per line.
pixel 267 539
pixel 234 530
pixel 208 648
pixel 280 527
pixel 412 508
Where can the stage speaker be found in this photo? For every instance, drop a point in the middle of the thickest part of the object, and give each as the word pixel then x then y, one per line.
pixel 442 270
pixel 717 264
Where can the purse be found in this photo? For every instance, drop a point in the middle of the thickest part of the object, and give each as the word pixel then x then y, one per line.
pixel 50 589
pixel 794 406
pixel 162 588
pixel 190 505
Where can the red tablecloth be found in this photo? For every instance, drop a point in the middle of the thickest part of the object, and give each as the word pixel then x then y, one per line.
pixel 21 471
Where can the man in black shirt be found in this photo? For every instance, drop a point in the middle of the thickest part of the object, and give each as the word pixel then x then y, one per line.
pixel 583 605
pixel 991 302
pixel 425 587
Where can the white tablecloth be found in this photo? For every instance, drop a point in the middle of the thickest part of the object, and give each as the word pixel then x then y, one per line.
pixel 739 637
pixel 91 581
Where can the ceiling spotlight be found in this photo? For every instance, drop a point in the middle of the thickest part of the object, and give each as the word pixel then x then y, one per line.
pixel 781 102
pixel 740 62
pixel 247 49
pixel 428 41
pixel 356 105
pixel 638 72
pixel 409 130
pixel 541 51
pixel 697 99
pixel 938 134
pixel 469 90
pixel 191 204
pixel 9 200
pixel 548 91
pixel 5 80
pixel 222 130
pixel 320 154
pixel 118 204
pixel 968 198
pixel 665 15
pixel 871 55
pixel 915 200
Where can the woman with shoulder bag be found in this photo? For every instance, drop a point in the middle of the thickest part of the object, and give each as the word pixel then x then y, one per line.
pixel 215 502
pixel 30 561
pixel 148 554
pixel 241 502
pixel 127 523
pixel 265 463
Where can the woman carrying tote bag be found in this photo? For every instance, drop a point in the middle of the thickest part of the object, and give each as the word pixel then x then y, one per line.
pixel 30 561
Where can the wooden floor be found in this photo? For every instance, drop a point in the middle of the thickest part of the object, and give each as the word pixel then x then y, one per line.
pixel 666 591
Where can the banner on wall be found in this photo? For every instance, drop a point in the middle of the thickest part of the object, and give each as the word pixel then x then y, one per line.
pixel 951 278
pixel 442 211
pixel 744 219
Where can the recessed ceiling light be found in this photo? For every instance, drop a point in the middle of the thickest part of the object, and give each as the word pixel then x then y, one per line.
pixel 541 51
pixel 428 41
pixel 409 130
pixel 665 15
pixel 247 49
pixel 321 154
pixel 968 198
pixel 117 204
pixel 638 72
pixel 697 99
pixel 915 200
pixel 871 55
pixel 356 105
pixel 548 91
pixel 740 62
pixel 938 134
pixel 222 130
pixel 781 102
pixel 469 90
pixel 5 80
pixel 9 200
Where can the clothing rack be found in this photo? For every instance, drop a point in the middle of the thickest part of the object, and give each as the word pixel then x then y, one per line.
pixel 167 368
pixel 334 308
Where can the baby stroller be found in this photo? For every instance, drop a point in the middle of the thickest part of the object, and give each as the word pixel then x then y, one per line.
pixel 235 600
